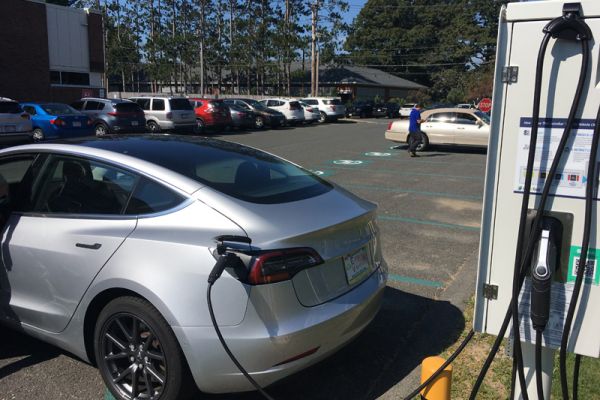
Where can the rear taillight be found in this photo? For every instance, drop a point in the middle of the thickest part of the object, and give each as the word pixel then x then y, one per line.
pixel 280 265
pixel 25 116
pixel 169 115
pixel 390 126
pixel 58 122
pixel 113 114
pixel 210 108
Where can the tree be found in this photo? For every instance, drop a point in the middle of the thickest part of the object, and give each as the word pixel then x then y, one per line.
pixel 438 43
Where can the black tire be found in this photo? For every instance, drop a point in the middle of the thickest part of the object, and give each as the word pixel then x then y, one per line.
pixel 424 142
pixel 259 122
pixel 153 127
pixel 322 117
pixel 38 134
pixel 200 127
pixel 135 348
pixel 101 129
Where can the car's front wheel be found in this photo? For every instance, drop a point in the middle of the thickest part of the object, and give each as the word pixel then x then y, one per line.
pixel 153 127
pixel 137 352
pixel 424 142
pixel 101 130
pixel 259 122
pixel 38 134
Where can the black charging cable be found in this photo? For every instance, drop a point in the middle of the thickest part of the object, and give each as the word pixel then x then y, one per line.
pixel 227 259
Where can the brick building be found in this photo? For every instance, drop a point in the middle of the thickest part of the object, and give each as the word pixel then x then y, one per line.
pixel 49 52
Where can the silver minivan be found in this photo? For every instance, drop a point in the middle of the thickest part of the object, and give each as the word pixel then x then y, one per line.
pixel 167 113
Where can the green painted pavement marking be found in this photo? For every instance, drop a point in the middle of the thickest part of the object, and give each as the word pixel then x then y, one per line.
pixel 398 172
pixel 426 222
pixel 418 192
pixel 348 162
pixel 416 281
pixel 108 395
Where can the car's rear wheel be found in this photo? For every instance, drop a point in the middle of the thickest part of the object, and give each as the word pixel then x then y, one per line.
pixel 38 134
pixel 153 127
pixel 424 142
pixel 137 352
pixel 101 129
pixel 322 117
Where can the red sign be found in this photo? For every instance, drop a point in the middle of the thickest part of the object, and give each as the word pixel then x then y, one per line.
pixel 485 104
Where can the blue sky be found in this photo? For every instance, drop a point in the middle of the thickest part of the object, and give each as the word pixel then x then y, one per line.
pixel 355 7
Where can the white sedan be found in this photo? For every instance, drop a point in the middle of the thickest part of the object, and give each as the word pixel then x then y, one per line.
pixel 445 126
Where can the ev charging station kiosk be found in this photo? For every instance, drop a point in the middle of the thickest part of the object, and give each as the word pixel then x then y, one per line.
pixel 520 33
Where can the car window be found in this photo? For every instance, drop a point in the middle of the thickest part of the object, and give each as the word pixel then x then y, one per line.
pixel 180 104
pixel 144 103
pixel 158 104
pixel 30 110
pixel 466 119
pixel 442 117
pixel 15 183
pixel 238 171
pixel 485 118
pixel 311 102
pixel 128 107
pixel 59 109
pixel 335 102
pixel 151 197
pixel 92 105
pixel 10 107
pixel 80 186
pixel 78 105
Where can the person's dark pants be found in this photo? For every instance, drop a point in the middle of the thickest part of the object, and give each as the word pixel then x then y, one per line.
pixel 414 140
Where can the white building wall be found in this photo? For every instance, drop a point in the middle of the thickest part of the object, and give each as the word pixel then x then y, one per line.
pixel 67 39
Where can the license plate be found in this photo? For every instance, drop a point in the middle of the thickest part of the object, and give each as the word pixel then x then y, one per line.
pixel 134 123
pixel 357 265
pixel 76 124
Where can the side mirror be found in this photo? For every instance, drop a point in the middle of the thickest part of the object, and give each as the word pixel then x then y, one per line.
pixel 479 123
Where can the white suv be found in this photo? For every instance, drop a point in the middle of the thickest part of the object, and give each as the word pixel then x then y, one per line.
pixel 291 109
pixel 330 108
pixel 167 113
pixel 405 110
pixel 15 124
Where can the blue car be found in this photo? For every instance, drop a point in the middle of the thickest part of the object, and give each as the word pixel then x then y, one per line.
pixel 57 121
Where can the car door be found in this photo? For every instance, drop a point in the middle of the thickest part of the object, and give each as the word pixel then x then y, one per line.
pixel 470 130
pixel 53 248
pixel 439 127
pixel 159 112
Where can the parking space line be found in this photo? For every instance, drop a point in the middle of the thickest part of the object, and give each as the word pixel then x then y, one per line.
pixel 398 172
pixel 397 218
pixel 416 281
pixel 418 192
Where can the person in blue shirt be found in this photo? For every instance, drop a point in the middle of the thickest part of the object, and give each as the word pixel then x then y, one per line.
pixel 415 137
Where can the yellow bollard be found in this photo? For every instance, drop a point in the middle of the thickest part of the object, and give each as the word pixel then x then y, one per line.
pixel 439 389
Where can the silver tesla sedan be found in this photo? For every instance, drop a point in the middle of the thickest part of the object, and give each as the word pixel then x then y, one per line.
pixel 107 245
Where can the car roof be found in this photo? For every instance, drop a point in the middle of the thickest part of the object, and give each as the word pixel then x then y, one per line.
pixel 448 109
pixel 125 151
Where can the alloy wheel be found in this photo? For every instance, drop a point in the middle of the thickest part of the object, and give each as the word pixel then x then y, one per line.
pixel 133 357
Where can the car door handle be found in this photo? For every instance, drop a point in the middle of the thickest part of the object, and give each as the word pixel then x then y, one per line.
pixel 94 246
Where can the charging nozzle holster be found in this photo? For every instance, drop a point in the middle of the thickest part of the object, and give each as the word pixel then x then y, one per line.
pixel 569 26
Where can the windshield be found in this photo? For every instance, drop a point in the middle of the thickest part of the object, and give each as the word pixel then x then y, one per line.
pixel 483 116
pixel 59 109
pixel 257 105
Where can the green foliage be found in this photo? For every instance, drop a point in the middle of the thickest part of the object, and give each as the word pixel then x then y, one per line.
pixel 438 43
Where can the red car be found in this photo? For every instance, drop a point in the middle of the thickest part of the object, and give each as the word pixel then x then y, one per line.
pixel 211 113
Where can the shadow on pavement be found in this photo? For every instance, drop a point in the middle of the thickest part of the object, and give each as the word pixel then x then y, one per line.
pixel 407 329
pixel 28 350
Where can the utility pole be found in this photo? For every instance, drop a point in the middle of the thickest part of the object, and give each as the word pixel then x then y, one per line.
pixel 314 64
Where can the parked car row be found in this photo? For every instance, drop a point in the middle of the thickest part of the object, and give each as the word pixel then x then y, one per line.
pixel 367 109
pixel 36 121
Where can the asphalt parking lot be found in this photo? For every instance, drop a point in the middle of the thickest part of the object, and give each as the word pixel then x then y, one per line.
pixel 429 215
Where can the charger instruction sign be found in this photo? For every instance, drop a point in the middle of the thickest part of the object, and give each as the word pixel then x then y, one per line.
pixel 571 178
